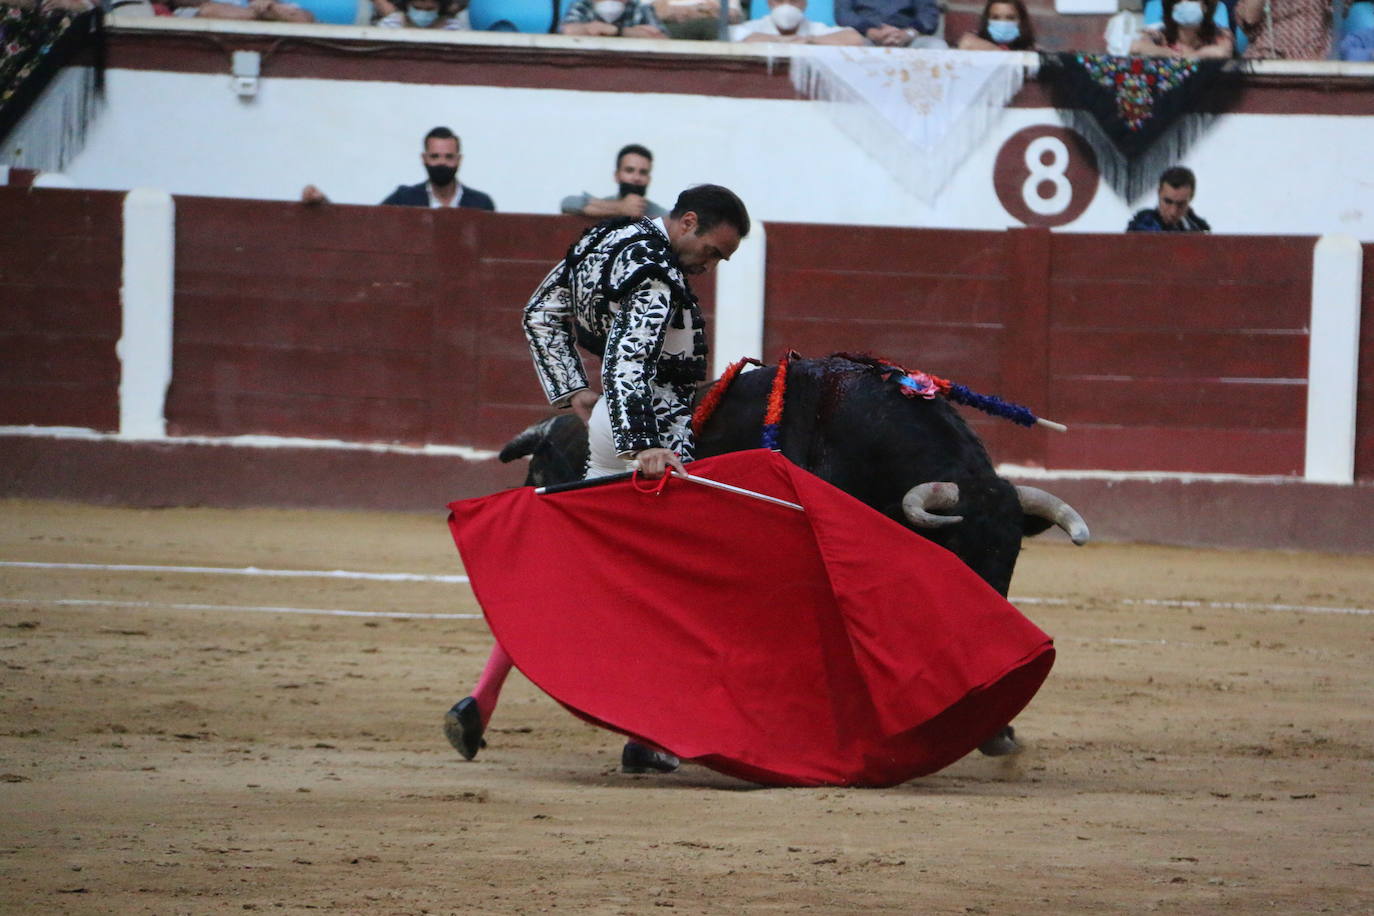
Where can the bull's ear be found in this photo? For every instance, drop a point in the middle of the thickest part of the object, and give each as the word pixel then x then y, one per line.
pixel 1031 525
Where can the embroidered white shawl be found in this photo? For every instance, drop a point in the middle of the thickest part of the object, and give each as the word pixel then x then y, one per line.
pixel 919 113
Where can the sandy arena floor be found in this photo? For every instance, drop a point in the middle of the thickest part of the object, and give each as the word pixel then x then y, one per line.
pixel 165 749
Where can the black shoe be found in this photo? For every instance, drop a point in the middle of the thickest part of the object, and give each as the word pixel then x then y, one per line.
pixel 463 728
pixel 636 758
pixel 1001 744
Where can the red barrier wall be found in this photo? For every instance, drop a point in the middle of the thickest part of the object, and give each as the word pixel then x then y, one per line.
pixel 60 265
pixel 1167 353
pixel 382 324
pixel 391 324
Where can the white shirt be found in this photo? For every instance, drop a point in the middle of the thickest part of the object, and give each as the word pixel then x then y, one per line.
pixel 809 28
pixel 437 204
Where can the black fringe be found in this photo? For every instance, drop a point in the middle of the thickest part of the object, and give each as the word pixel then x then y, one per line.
pixel 1130 160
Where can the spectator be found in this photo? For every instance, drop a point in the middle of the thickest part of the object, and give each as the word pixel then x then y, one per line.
pixel 893 23
pixel 633 166
pixel 786 21
pixel 1153 15
pixel 1174 213
pixel 696 20
pixel 1188 31
pixel 630 18
pixel 265 10
pixel 1291 29
pixel 423 14
pixel 440 158
pixel 1004 26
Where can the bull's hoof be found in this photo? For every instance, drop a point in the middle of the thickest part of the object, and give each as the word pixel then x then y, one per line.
pixel 463 728
pixel 1000 744
pixel 636 758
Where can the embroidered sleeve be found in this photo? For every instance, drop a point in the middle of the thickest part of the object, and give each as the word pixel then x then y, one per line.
pixel 549 330
pixel 631 361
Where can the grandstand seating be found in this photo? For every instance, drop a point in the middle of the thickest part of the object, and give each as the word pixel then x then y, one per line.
pixel 524 15
pixel 338 12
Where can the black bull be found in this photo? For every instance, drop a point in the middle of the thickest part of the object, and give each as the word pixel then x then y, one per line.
pixel 842 422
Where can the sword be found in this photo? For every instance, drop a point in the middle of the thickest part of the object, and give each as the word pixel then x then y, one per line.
pixel 690 478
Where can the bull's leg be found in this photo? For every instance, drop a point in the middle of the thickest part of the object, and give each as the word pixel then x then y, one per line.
pixel 467 720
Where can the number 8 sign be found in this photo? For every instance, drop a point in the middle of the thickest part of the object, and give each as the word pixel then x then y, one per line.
pixel 1045 176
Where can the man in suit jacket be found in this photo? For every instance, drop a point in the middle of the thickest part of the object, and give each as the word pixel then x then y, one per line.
pixel 440 158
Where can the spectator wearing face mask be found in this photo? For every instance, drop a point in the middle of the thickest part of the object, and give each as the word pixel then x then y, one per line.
pixel 1175 211
pixel 629 18
pixel 1004 26
pixel 786 21
pixel 422 14
pixel 1188 31
pixel 441 158
pixel 634 165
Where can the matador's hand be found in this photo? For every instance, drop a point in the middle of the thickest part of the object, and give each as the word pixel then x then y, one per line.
pixel 582 404
pixel 654 461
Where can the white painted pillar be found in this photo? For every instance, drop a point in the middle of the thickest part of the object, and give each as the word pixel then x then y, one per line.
pixel 1333 360
pixel 739 302
pixel 145 343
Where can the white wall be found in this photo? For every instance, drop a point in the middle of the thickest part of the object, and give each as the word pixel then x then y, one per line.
pixel 189 134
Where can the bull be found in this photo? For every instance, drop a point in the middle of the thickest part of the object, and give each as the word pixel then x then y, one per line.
pixel 913 459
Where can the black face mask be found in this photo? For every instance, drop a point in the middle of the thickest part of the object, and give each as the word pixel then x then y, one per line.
pixel 641 189
pixel 441 175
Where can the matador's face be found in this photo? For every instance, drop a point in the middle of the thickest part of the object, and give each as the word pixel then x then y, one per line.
pixel 698 252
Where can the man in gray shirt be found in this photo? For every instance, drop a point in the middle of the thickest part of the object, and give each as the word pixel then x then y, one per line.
pixel 633 166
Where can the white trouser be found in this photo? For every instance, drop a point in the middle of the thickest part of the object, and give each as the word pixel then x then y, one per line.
pixel 603 459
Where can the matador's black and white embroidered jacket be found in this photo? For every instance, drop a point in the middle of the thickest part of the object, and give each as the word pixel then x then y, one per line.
pixel 622 295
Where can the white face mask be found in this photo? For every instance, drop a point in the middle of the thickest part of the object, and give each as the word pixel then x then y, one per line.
pixel 787 17
pixel 609 10
pixel 422 18
pixel 1188 12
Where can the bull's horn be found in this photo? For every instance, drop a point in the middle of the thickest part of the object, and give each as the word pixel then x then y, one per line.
pixel 1037 502
pixel 923 497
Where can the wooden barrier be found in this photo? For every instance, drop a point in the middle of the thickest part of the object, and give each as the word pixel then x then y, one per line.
pixel 59 308
pixel 375 324
pixel 1171 353
pixel 1161 352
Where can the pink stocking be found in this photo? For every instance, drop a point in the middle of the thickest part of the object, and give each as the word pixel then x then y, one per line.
pixel 488 689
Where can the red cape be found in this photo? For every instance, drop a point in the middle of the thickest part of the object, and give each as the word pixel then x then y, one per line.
pixel 826 647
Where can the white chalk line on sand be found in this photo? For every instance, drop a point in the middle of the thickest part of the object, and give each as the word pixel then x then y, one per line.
pixel 1208 605
pixel 243 571
pixel 458 579
pixel 261 609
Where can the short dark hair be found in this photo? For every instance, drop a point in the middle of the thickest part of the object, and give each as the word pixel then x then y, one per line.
pixel 1179 177
pixel 633 149
pixel 713 205
pixel 441 133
